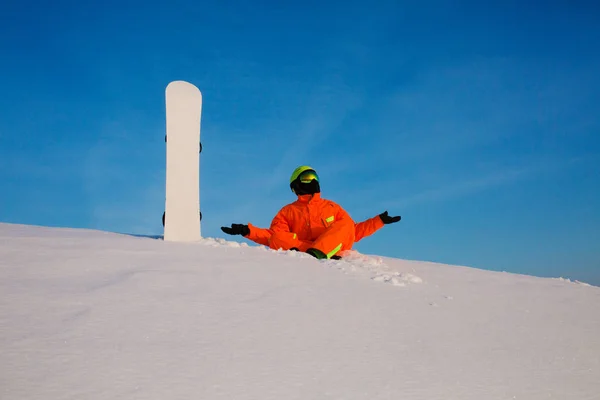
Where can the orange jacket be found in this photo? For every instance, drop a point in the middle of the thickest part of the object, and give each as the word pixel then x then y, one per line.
pixel 308 217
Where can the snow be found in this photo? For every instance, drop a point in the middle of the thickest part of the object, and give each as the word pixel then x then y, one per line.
pixel 97 315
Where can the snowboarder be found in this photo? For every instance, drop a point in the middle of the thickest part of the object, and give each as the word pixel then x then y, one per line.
pixel 311 224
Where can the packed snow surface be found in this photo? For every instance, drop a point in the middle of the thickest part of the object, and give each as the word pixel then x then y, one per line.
pixel 97 315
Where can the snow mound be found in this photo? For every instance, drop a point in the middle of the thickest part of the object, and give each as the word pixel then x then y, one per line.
pixel 97 315
pixel 572 281
pixel 353 262
pixel 375 268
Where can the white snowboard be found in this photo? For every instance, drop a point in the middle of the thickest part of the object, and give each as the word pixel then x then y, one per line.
pixel 182 203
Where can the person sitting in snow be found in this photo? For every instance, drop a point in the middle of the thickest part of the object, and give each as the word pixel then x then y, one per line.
pixel 311 224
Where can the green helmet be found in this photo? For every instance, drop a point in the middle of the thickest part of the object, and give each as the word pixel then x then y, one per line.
pixel 304 180
pixel 298 171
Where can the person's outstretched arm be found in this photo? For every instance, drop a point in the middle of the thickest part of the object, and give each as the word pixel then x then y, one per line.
pixel 372 225
pixel 259 235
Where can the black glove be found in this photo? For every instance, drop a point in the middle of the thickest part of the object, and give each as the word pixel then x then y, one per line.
pixel 387 219
pixel 236 229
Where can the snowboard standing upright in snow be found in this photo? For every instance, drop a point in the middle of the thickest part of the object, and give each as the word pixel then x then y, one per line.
pixel 182 203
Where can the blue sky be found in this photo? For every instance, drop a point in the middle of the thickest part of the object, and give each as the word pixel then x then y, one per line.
pixel 479 123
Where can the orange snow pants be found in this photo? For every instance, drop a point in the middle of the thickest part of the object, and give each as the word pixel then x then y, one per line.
pixel 337 237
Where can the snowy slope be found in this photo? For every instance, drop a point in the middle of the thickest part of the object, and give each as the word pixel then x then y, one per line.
pixel 96 315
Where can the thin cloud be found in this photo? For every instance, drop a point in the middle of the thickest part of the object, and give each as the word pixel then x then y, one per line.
pixel 460 189
pixel 124 187
pixel 467 187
